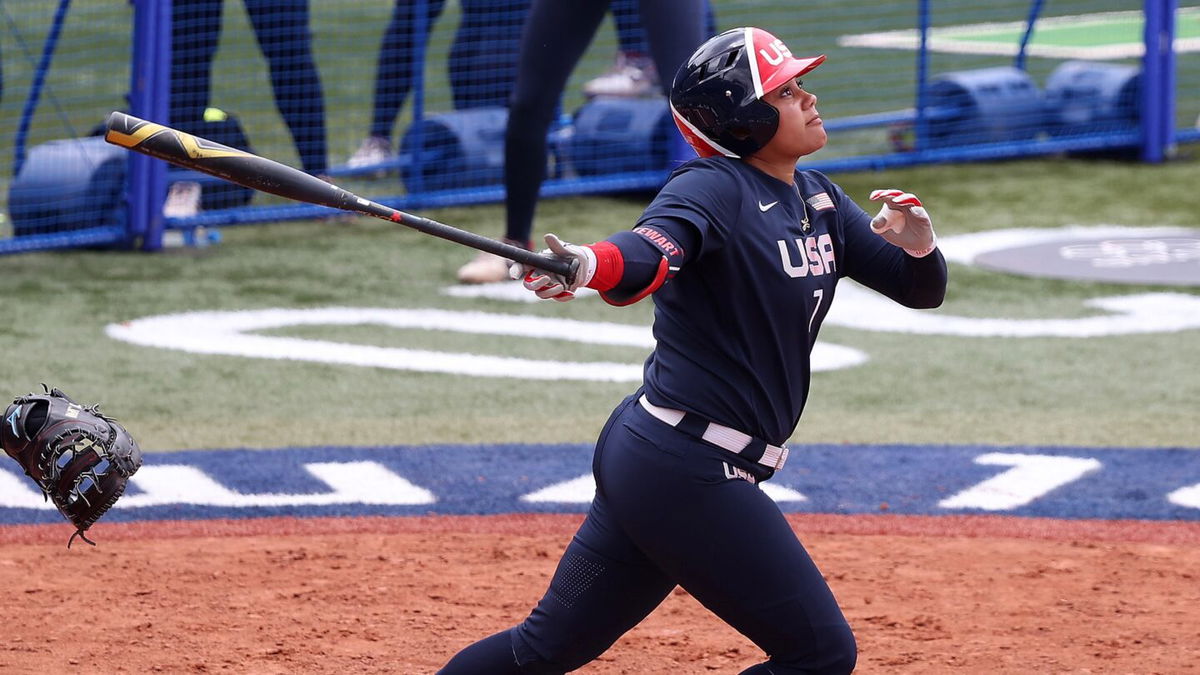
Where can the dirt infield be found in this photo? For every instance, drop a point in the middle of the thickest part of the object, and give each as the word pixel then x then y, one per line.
pixel 401 595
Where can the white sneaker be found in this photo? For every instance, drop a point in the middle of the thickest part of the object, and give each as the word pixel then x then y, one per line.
pixel 183 200
pixel 485 268
pixel 630 76
pixel 374 150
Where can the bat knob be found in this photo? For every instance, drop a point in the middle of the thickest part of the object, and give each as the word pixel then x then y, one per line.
pixel 572 271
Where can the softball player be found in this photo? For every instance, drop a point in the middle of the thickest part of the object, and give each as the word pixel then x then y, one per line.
pixel 742 253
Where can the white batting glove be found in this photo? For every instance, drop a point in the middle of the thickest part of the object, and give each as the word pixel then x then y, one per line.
pixel 902 221
pixel 551 286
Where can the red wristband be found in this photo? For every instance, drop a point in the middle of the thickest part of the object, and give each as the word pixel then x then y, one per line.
pixel 610 265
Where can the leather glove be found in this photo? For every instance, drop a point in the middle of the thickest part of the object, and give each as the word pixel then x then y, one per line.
pixel 79 457
pixel 903 221
pixel 551 286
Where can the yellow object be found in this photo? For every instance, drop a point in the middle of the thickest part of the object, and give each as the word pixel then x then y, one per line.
pixel 215 115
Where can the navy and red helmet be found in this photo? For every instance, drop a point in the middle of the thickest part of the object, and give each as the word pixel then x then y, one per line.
pixel 716 97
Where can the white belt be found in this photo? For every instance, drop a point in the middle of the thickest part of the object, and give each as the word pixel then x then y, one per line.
pixel 772 456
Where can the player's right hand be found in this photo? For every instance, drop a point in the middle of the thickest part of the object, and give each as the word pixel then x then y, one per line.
pixel 551 286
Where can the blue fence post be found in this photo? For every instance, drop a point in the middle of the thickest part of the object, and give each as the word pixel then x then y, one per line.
pixel 921 123
pixel 1158 90
pixel 420 38
pixel 149 89
pixel 1168 76
pixel 1035 10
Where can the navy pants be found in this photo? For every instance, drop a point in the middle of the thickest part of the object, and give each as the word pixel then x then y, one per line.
pixel 281 28
pixel 671 510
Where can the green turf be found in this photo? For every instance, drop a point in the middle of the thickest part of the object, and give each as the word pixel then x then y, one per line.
pixel 1133 390
pixel 1106 391
pixel 1086 32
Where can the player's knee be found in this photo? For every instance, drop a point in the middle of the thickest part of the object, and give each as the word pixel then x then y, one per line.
pixel 830 651
pixel 840 651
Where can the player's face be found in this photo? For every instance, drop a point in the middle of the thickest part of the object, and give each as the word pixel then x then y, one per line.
pixel 800 129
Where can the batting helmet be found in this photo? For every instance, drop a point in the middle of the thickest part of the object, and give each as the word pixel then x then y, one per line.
pixel 716 97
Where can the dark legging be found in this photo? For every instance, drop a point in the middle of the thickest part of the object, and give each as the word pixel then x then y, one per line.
pixel 555 36
pixel 481 64
pixel 394 72
pixel 281 28
pixel 630 36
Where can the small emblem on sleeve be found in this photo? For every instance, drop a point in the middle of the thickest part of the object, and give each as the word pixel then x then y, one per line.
pixel 821 201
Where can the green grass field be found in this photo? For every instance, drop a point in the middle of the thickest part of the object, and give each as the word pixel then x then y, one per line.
pixel 90 72
pixel 1132 390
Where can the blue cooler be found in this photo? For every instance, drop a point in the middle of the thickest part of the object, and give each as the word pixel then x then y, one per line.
pixel 615 135
pixel 1085 97
pixel 457 149
pixel 990 105
pixel 67 185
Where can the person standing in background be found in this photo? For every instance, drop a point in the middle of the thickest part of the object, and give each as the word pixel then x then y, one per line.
pixel 282 30
pixel 482 64
pixel 555 35
pixel 633 73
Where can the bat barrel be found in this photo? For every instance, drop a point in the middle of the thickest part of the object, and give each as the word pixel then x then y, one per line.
pixel 222 161
pixel 260 173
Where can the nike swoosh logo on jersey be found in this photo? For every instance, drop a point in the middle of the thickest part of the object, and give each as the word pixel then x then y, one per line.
pixel 766 207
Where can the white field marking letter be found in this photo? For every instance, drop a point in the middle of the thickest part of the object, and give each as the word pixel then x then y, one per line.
pixel 1186 496
pixel 349 482
pixel 1031 477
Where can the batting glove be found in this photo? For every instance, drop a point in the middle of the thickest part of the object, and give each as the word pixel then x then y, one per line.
pixel 551 286
pixel 902 221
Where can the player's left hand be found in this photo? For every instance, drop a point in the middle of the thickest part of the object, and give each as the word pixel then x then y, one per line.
pixel 904 222
pixel 550 286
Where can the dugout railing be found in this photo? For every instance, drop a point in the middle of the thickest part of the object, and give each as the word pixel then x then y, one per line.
pixel 912 82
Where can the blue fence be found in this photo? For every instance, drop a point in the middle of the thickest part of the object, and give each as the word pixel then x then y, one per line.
pixel 405 101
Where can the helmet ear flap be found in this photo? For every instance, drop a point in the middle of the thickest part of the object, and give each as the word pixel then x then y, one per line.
pixel 739 132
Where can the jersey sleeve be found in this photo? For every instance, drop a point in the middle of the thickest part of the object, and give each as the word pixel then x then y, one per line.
pixel 634 263
pixel 705 196
pixel 689 217
pixel 873 262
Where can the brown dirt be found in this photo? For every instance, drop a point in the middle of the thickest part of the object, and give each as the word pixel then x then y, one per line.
pixel 373 595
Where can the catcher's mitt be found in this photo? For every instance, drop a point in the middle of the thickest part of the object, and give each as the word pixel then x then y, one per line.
pixel 80 458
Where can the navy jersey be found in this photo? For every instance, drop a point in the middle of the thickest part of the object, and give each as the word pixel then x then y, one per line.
pixel 736 325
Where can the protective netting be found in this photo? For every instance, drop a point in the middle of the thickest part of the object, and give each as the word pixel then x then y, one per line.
pixel 407 102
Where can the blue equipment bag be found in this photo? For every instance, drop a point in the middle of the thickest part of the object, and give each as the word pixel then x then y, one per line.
pixel 983 106
pixel 457 149
pixel 68 184
pixel 1088 97
pixel 614 135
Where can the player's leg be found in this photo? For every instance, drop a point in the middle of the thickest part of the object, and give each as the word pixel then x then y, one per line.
pixel 195 32
pixel 394 70
pixel 603 586
pixel 726 543
pixel 282 30
pixel 556 35
pixel 673 31
pixel 553 39
pixel 787 609
pixel 483 59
